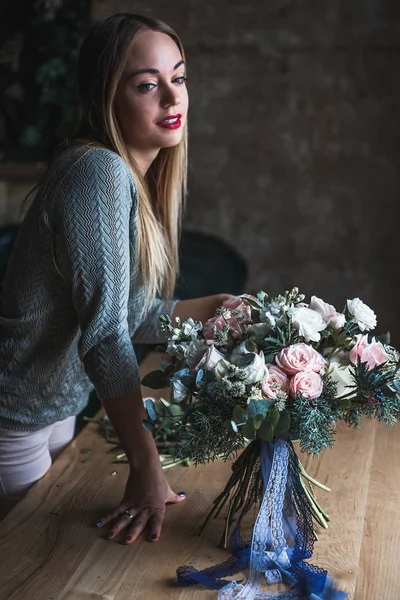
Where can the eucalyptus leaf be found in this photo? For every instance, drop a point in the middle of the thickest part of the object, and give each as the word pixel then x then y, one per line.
pixel 248 430
pixel 258 419
pixel 273 416
pixel 283 424
pixel 239 414
pixel 259 407
pixel 151 409
pixel 155 380
pixel 266 431
pixel 199 376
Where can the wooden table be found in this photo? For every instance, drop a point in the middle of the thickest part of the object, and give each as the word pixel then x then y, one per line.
pixel 50 551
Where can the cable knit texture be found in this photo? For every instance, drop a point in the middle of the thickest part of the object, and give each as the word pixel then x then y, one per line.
pixel 72 299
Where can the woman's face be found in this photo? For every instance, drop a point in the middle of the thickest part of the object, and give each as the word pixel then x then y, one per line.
pixel 152 99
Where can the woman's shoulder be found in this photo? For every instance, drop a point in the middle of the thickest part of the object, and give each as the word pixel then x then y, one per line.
pixel 92 161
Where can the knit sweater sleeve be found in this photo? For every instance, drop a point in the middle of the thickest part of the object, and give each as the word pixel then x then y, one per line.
pixel 92 238
pixel 149 331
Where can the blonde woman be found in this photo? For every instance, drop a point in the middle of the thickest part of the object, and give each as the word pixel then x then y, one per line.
pixel 95 264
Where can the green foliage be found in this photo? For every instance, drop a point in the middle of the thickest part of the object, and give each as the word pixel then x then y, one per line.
pixel 156 380
pixel 39 102
pixel 312 422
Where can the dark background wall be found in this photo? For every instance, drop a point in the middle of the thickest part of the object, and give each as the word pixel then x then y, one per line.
pixel 294 139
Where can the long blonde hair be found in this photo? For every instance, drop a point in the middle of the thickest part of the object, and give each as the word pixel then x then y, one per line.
pixel 162 192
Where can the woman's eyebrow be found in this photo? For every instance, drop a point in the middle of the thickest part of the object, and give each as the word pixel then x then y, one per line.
pixel 154 71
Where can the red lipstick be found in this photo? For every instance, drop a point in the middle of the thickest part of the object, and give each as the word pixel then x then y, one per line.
pixel 171 122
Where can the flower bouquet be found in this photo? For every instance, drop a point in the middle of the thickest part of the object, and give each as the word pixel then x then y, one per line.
pixel 261 374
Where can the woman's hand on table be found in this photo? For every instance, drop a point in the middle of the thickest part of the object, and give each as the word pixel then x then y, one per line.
pixel 143 507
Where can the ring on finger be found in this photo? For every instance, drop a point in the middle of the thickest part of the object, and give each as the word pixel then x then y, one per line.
pixel 126 512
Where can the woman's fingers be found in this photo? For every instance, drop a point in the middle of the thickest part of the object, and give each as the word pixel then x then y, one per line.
pixel 123 521
pixel 155 525
pixel 138 525
pixel 111 516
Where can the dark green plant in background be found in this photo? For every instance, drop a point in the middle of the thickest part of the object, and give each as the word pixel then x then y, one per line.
pixel 39 47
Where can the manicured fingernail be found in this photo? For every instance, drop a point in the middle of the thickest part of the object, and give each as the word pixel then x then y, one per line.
pixel 127 539
pixel 98 524
pixel 153 537
pixel 109 535
pixel 181 494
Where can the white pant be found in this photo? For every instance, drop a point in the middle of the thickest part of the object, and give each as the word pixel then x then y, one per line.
pixel 25 456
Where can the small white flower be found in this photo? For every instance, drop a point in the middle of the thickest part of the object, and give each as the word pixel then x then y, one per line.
pixel 363 314
pixel 309 322
pixel 190 328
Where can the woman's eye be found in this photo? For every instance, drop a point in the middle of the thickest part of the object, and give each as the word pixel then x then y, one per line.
pixel 180 79
pixel 146 87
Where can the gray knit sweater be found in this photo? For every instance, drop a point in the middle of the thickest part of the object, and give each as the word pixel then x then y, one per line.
pixel 72 299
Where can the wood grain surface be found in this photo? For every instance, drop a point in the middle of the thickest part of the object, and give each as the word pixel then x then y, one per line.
pixel 49 549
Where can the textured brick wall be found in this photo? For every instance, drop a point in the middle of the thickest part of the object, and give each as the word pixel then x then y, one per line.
pixel 294 139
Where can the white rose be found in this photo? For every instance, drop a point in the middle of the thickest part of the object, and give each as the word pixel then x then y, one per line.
pixel 256 371
pixel 342 377
pixel 363 314
pixel 328 313
pixel 210 359
pixel 309 322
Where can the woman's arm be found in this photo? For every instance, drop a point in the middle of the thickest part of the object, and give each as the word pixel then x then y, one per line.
pixel 147 490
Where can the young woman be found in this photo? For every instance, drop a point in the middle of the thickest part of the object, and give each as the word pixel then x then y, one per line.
pixel 94 265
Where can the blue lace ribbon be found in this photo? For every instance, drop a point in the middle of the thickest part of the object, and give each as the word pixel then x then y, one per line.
pixel 282 539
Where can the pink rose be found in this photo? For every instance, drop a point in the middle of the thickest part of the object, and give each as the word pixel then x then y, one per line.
pixel 212 326
pixel 371 353
pixel 237 303
pixel 275 381
pixel 308 383
pixel 299 357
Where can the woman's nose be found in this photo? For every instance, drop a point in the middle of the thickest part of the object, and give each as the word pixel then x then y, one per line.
pixel 171 96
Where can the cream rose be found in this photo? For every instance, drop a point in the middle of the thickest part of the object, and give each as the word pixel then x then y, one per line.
pixel 308 383
pixel 299 357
